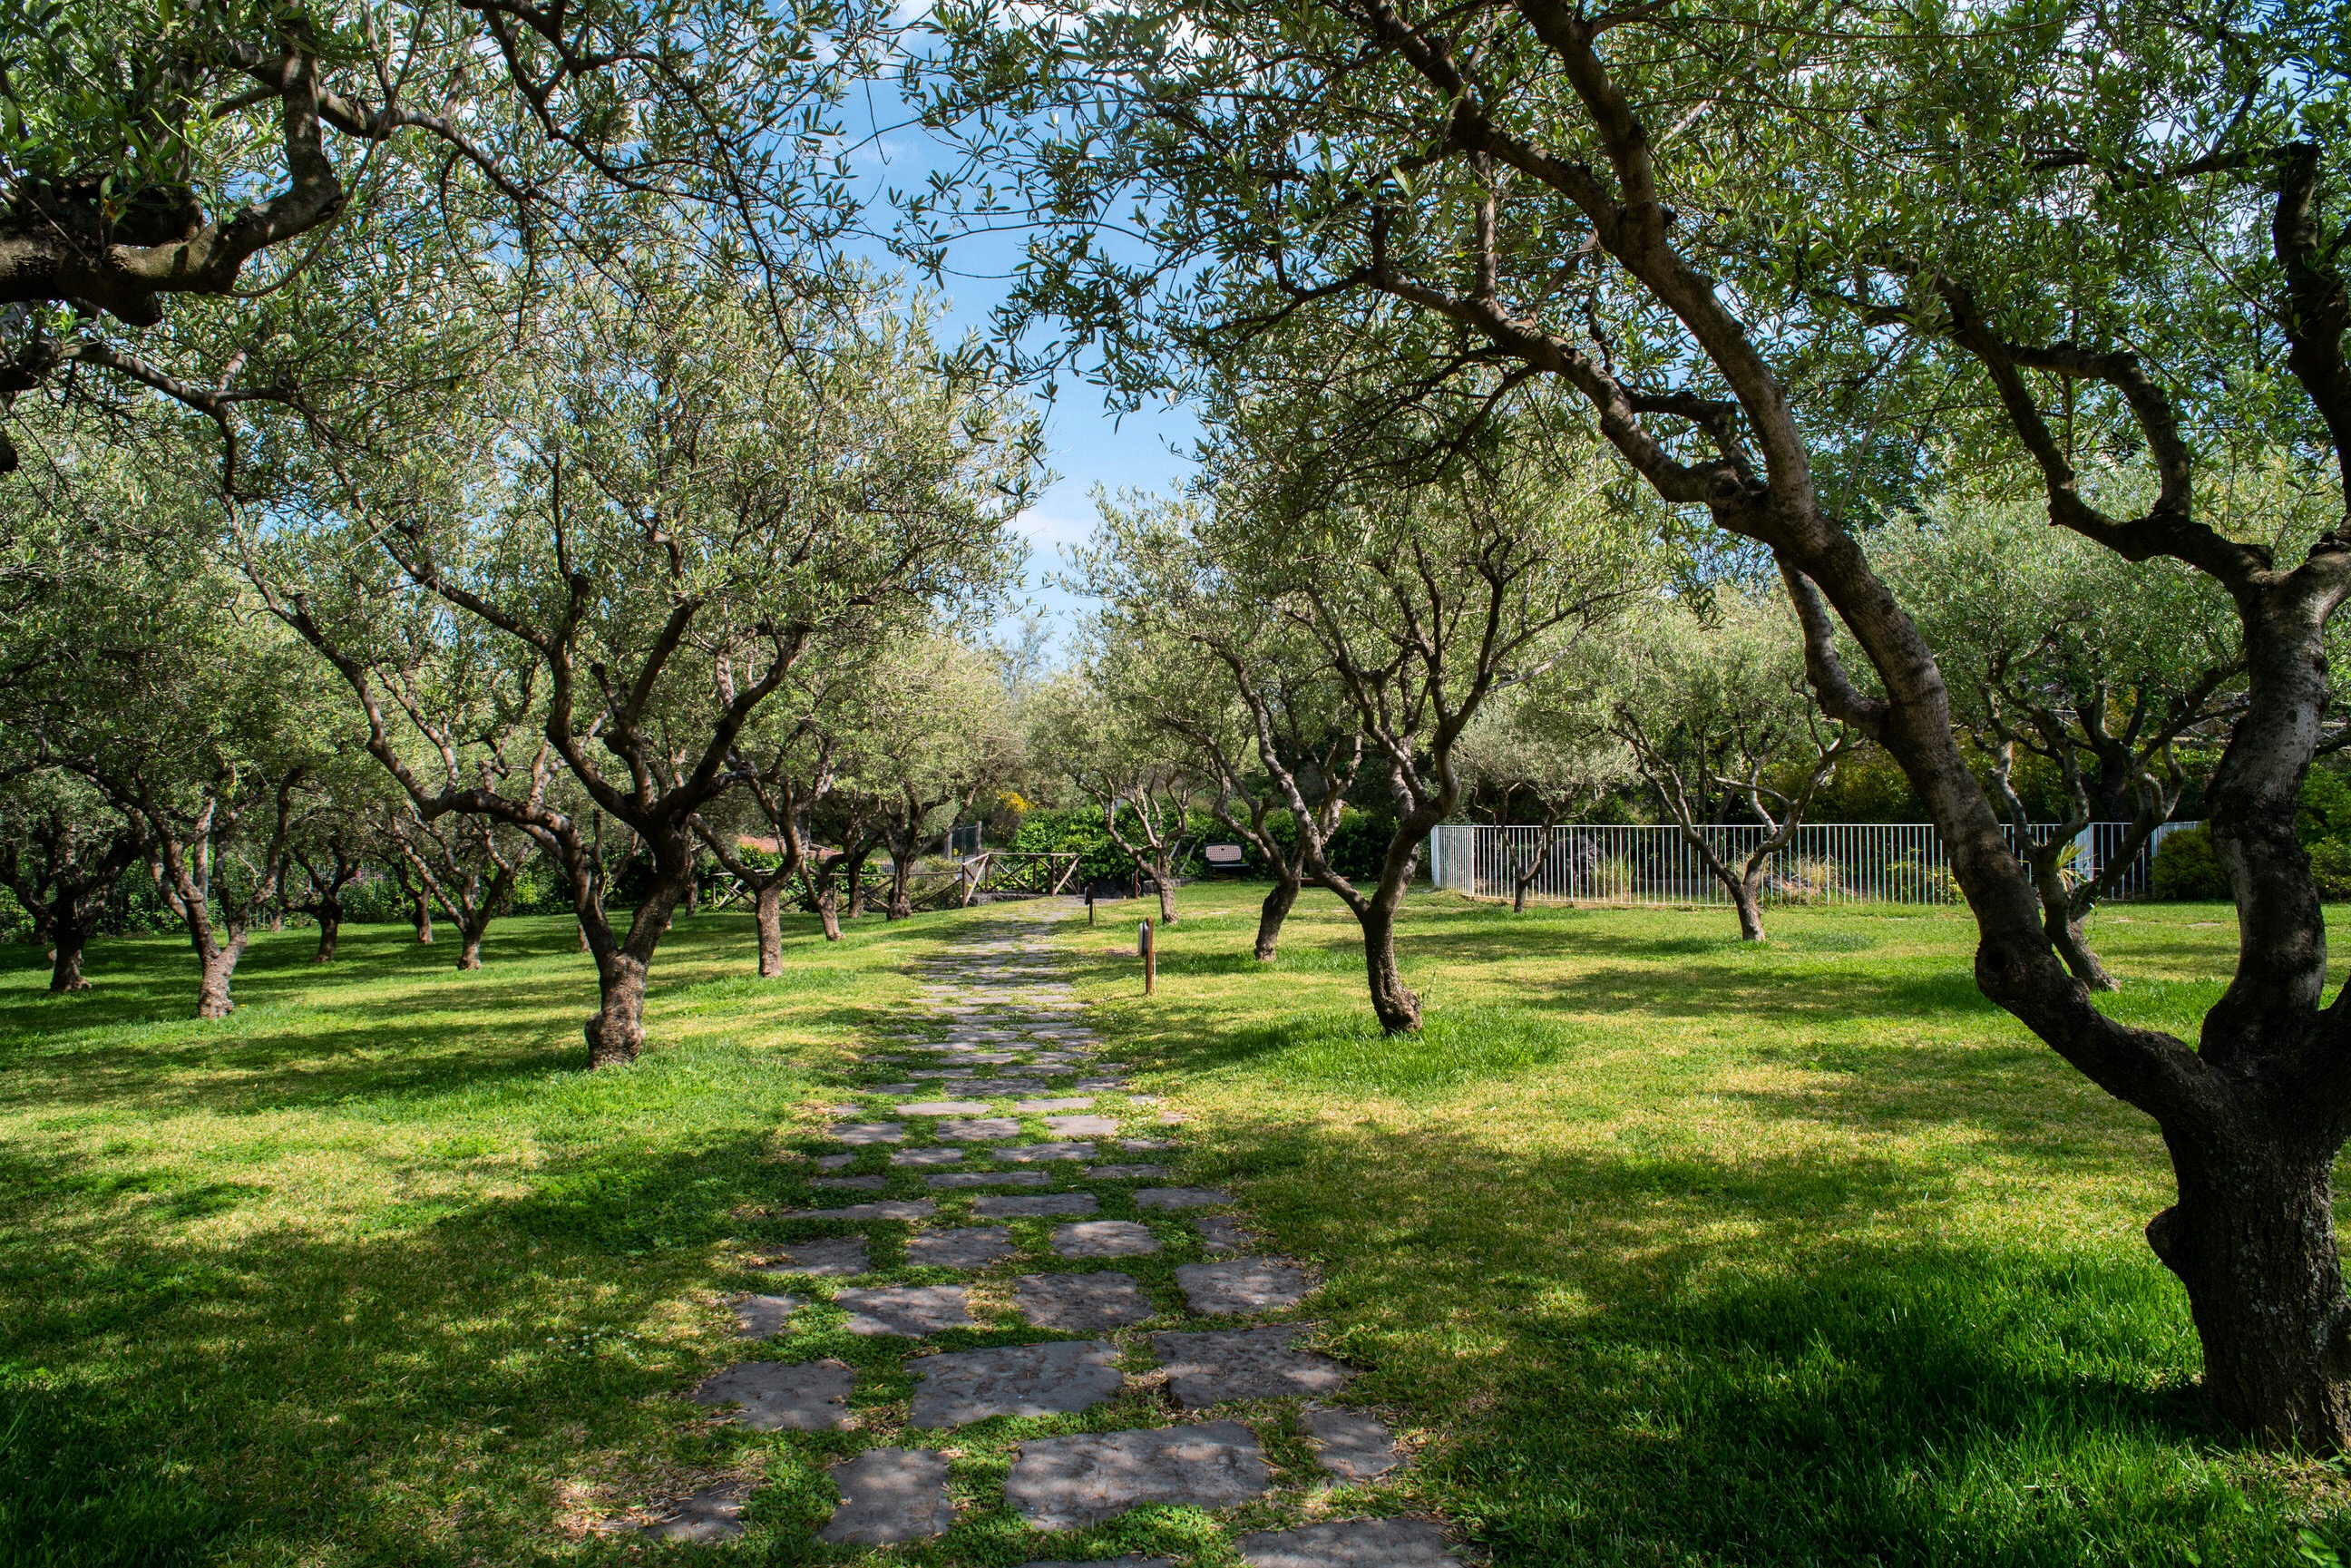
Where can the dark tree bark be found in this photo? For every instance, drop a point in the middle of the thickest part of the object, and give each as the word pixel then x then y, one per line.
pixel 1681 770
pixel 1335 765
pixel 1280 900
pixel 853 871
pixel 904 819
pixel 1531 867
pixel 197 865
pixel 782 800
pixel 61 874
pixel 327 881
pixel 66 946
pixel 1157 800
pixel 460 863
pixel 2142 751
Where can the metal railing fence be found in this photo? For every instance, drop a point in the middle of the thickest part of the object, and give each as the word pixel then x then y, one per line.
pixel 1824 862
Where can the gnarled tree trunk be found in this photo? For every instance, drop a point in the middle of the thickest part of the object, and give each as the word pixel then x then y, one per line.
pixel 854 874
pixel 2066 934
pixel 2252 1236
pixel 1392 1001
pixel 330 916
pixel 1280 900
pixel 768 910
pixel 69 938
pixel 617 1032
pixel 219 966
pixel 1746 898
pixel 1162 877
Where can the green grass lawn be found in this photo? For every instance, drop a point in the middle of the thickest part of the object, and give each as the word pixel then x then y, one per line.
pixel 1661 1250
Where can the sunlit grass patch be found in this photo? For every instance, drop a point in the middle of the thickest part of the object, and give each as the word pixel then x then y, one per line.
pixel 1657 1249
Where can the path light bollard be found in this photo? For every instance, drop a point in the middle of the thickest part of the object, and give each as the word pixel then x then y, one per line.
pixel 1146 947
pixel 1090 906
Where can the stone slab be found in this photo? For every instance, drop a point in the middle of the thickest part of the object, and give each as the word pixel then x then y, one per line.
pixel 781 1396
pixel 1354 1543
pixel 1149 1145
pixel 1068 1483
pixel 897 1091
pixel 1078 1302
pixel 1244 1363
pixel 1222 1233
pixel 973 1246
pixel 1023 1153
pixel 853 1184
pixel 1129 1560
pixel 1353 1445
pixel 978 1129
pixel 1032 1207
pixel 1243 1285
pixel 1072 1102
pixel 838 1257
pixel 888 1209
pixel 927 1157
pixel 1104 1085
pixel 1130 1172
pixel 713 1513
pixel 1180 1197
pixel 888 1495
pixel 971 1385
pixel 1104 1238
pixel 1083 1126
pixel 868 1132
pixel 762 1317
pixel 908 1311
pixel 834 1162
pixel 944 1108
pixel 990 1178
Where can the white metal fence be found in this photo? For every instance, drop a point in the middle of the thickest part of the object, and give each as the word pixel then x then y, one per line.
pixel 1826 863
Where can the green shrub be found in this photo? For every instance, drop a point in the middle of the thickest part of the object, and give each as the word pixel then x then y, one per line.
pixel 2330 867
pixel 2186 867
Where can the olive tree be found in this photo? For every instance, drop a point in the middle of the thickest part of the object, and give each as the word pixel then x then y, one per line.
pixel 168 168
pixel 1545 743
pixel 145 668
pixel 928 731
pixel 659 508
pixel 62 850
pixel 1422 602
pixel 1204 665
pixel 1711 699
pixel 2060 649
pixel 1144 778
pixel 1761 254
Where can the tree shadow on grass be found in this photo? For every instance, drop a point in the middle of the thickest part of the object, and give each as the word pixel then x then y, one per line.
pixel 420 1396
pixel 377 1023
pixel 1671 1360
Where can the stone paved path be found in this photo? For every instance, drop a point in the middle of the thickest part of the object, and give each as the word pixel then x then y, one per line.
pixel 1177 1364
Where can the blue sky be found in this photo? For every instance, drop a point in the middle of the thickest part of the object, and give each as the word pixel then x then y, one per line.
pixel 1092 447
